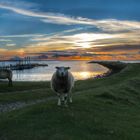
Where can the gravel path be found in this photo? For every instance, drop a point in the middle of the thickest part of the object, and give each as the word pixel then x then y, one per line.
pixel 17 105
pixel 23 91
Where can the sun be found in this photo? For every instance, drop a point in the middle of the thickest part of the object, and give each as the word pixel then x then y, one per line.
pixel 21 52
pixel 86 40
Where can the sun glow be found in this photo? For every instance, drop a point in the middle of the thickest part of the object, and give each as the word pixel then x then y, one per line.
pixel 86 40
pixel 82 75
pixel 85 74
pixel 21 52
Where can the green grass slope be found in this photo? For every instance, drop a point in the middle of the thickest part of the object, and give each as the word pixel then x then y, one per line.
pixel 107 108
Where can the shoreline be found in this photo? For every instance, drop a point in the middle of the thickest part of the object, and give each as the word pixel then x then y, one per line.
pixel 113 66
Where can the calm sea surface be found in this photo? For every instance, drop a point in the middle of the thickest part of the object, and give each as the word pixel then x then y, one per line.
pixel 80 69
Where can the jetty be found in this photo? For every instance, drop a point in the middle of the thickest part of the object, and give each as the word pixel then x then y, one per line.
pixel 21 64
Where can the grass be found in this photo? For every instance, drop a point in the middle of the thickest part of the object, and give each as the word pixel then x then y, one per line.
pixel 24 91
pixel 107 108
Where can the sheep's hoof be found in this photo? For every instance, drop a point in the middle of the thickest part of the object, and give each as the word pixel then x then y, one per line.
pixel 59 103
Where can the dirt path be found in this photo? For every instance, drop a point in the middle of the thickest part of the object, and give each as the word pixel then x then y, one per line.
pixel 6 107
pixel 17 105
pixel 22 91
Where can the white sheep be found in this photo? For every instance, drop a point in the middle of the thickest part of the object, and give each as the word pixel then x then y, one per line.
pixel 62 83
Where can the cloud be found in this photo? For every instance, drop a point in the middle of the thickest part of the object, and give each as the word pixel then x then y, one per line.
pixel 81 40
pixel 17 3
pixel 22 36
pixel 113 36
pixel 78 41
pixel 10 45
pixel 4 40
pixel 56 18
pixel 88 40
pixel 2 50
pixel 118 48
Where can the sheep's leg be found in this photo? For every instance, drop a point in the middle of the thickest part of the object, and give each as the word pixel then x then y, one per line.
pixel 66 98
pixel 70 97
pixel 59 100
pixel 63 98
pixel 9 83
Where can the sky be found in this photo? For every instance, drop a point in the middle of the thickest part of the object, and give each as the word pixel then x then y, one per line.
pixel 96 29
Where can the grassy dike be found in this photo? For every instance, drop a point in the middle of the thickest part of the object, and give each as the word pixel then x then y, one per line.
pixel 106 108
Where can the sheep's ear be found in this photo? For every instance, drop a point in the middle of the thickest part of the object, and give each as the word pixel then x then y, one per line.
pixel 67 68
pixel 57 67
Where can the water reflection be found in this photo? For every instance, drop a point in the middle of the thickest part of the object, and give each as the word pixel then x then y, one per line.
pixel 80 69
pixel 85 75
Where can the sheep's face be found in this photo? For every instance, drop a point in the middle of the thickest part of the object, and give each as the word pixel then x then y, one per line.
pixel 62 71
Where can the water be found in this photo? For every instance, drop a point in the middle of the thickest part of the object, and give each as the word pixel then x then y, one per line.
pixel 80 69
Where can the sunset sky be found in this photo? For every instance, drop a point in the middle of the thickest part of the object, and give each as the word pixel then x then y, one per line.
pixel 97 29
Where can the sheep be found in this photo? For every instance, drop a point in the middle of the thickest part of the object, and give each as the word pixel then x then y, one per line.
pixel 62 83
pixel 6 74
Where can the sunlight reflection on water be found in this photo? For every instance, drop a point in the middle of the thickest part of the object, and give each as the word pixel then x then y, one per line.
pixel 80 69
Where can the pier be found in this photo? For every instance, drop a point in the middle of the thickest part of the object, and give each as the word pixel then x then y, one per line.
pixel 20 64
